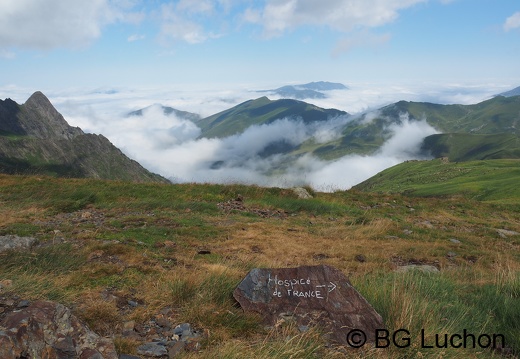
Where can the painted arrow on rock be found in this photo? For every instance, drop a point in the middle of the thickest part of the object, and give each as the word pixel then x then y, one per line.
pixel 331 286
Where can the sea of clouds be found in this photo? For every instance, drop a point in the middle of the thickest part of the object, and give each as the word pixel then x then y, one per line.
pixel 171 146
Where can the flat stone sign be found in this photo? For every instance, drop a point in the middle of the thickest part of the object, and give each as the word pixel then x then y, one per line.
pixel 311 295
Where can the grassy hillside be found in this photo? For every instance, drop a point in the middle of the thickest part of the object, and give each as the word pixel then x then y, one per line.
pixel 261 111
pixel 471 147
pixel 489 180
pixel 497 115
pixel 187 246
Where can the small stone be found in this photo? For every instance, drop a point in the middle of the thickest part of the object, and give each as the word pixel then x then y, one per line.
pixel 129 325
pixel 9 242
pixel 303 328
pixel 163 322
pixel 455 241
pixel 301 193
pixel 132 303
pixel 90 354
pixel 451 254
pixel 427 224
pixel 360 258
pixel 504 233
pixel 23 304
pixel 155 350
pixel 181 328
pixel 6 302
pixel 407 231
pixel 420 267
pixel 130 334
pixel 176 349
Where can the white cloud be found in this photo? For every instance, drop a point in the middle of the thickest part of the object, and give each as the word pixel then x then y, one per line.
pixel 135 37
pixel 512 22
pixel 278 16
pixel 44 25
pixel 189 20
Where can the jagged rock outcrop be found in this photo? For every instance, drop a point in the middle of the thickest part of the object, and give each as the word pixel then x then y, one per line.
pixel 49 330
pixel 36 139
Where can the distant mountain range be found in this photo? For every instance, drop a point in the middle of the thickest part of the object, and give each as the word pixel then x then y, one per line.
pixel 169 111
pixel 489 129
pixel 312 90
pixel 36 139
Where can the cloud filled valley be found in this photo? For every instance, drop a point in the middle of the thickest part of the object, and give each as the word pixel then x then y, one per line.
pixel 265 154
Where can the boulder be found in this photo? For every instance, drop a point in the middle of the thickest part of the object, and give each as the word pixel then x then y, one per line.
pixel 49 330
pixel 12 241
pixel 309 295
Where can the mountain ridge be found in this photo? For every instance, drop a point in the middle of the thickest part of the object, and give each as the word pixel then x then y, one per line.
pixel 35 138
pixel 311 90
pixel 262 111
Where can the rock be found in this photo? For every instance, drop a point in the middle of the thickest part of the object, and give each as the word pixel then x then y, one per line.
pixel 6 283
pixel 451 254
pixel 153 349
pixel 23 304
pixel 176 349
pixel 185 332
pixel 129 325
pixel 420 267
pixel 407 231
pixel 360 258
pixel 301 193
pixel 454 241
pixel 504 233
pixel 50 330
pixel 309 295
pixel 163 322
pixel 427 224
pixel 12 241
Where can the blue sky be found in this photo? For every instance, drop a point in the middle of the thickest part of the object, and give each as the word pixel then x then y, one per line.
pixel 57 44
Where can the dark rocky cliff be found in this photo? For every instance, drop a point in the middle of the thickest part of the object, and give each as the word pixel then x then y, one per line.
pixel 36 139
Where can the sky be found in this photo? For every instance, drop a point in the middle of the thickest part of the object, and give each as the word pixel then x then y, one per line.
pixel 74 43
pixel 97 60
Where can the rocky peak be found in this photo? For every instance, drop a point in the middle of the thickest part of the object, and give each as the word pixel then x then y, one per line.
pixel 40 119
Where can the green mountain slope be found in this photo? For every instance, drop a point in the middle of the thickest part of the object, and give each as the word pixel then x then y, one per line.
pixel 497 115
pixel 36 139
pixel 471 147
pixel 487 180
pixel 261 111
